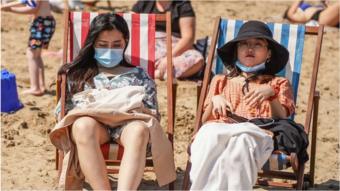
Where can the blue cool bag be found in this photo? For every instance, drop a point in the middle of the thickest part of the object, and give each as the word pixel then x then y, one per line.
pixel 9 95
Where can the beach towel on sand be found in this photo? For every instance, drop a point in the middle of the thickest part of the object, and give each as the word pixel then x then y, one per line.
pixel 112 108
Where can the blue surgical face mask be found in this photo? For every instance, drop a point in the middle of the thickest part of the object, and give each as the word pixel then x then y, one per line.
pixel 253 69
pixel 108 57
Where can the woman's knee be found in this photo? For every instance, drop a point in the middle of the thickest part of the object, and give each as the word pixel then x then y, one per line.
pixel 137 132
pixel 84 129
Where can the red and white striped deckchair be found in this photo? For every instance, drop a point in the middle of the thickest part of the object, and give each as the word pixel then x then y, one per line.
pixel 140 52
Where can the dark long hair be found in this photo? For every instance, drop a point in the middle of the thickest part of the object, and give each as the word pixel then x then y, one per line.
pixel 84 67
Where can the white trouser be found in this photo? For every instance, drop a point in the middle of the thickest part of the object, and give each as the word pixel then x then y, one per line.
pixel 228 156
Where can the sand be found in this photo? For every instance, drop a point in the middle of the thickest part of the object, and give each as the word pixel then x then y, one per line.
pixel 28 157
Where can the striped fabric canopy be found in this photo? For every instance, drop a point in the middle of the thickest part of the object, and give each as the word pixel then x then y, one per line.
pixel 290 36
pixel 141 47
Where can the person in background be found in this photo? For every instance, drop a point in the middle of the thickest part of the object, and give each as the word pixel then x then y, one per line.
pixel 41 32
pixel 324 13
pixel 186 60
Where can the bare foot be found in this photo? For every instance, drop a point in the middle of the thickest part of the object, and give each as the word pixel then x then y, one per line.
pixel 33 92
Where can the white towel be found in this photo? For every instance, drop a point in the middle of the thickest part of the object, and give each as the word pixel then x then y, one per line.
pixel 228 156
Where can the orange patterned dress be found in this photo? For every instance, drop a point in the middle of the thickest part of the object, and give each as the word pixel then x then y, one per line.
pixel 231 88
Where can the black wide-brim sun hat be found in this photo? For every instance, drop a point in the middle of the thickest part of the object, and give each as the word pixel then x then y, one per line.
pixel 256 29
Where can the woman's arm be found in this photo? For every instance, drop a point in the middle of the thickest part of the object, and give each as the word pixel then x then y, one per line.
pixel 7 6
pixel 207 112
pixel 24 10
pixel 15 8
pixel 278 111
pixel 187 28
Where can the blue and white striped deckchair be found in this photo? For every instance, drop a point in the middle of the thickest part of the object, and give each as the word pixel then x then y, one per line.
pixel 292 37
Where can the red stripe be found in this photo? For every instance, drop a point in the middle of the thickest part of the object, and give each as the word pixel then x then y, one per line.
pixel 85 26
pixel 120 152
pixel 105 150
pixel 71 36
pixel 151 45
pixel 135 33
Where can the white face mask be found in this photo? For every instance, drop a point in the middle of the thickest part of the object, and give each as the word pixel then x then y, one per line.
pixel 108 57
pixel 252 69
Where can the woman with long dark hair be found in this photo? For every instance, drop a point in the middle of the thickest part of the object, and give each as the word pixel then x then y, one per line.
pixel 101 65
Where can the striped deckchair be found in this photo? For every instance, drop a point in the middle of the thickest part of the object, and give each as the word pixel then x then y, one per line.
pixel 140 52
pixel 292 37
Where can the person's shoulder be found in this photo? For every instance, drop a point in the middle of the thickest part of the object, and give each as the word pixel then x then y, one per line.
pixel 184 7
pixel 142 6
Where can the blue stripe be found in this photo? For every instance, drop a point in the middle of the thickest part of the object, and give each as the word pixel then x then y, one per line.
pixel 266 166
pixel 222 36
pixel 298 59
pixel 271 27
pixel 238 24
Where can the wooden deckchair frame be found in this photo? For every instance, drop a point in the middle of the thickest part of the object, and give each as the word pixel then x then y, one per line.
pixel 310 121
pixel 61 91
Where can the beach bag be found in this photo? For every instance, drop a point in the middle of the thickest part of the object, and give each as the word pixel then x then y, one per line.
pixel 289 136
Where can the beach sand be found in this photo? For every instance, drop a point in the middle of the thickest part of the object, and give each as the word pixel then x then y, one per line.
pixel 28 157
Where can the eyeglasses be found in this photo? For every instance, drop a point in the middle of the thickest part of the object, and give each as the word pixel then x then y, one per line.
pixel 256 46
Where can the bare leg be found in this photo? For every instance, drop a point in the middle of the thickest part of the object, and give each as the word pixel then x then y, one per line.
pixel 41 74
pixel 330 16
pixel 192 70
pixel 33 68
pixel 134 138
pixel 88 135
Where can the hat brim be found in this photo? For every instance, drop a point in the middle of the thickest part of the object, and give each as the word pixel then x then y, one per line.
pixel 278 60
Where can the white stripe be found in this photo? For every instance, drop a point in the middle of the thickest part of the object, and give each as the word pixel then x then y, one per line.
pixel 76 33
pixel 144 41
pixel 273 162
pixel 277 32
pixel 92 16
pixel 230 31
pixel 128 19
pixel 291 49
pixel 113 151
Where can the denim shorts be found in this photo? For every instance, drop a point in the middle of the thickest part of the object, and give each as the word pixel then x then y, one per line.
pixel 116 132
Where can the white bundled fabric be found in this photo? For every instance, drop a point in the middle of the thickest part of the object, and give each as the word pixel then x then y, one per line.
pixel 228 156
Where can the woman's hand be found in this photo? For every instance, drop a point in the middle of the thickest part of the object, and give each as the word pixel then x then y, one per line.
pixel 220 106
pixel 161 68
pixel 255 97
